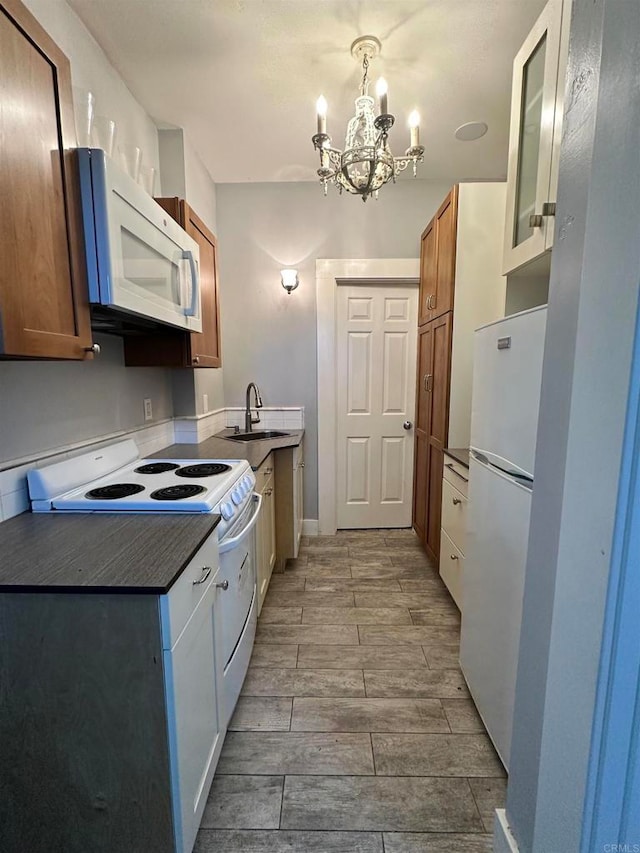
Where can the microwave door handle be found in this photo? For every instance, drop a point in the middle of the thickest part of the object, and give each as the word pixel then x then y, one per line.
pixel 187 254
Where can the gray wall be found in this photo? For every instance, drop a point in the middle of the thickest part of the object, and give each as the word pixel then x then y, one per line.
pixel 591 323
pixel 45 405
pixel 270 337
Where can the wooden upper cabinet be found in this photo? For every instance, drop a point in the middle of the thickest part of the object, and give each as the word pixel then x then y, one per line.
pixel 428 271
pixel 186 349
pixel 44 310
pixel 438 260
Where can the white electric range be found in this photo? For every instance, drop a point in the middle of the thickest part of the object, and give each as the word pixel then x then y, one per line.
pixel 115 479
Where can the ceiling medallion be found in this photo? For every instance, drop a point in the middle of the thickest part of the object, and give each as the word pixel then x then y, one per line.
pixel 366 163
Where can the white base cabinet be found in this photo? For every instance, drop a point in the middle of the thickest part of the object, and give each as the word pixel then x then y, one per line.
pixel 454 526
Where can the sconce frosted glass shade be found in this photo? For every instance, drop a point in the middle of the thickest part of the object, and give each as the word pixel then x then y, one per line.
pixel 289 280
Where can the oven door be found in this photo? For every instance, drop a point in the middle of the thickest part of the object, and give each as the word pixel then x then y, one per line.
pixel 139 259
pixel 238 568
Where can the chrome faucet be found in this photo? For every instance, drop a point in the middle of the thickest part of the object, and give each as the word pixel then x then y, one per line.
pixel 248 419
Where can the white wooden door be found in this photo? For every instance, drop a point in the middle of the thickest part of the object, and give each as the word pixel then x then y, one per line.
pixel 375 395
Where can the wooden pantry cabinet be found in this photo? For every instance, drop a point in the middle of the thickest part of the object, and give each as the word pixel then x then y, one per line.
pixel 461 288
pixel 44 309
pixel 186 349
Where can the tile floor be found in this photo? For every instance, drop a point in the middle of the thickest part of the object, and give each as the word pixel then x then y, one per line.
pixel 355 732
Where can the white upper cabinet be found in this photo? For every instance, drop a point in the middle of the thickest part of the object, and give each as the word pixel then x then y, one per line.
pixel 534 139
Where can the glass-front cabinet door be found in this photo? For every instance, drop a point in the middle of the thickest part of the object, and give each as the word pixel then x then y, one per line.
pixel 536 107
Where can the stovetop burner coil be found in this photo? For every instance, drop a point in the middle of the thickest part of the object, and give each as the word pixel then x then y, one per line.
pixel 114 491
pixel 204 469
pixel 177 493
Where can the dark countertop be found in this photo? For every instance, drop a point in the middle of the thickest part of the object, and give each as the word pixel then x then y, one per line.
pixel 219 447
pixel 460 454
pixel 99 552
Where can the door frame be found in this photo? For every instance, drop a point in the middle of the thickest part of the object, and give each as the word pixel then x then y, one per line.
pixel 330 274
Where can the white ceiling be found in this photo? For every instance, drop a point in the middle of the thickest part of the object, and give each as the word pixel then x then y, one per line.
pixel 242 76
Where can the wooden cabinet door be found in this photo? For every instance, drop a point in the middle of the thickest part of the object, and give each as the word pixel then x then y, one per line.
pixel 438 261
pixel 439 428
pixel 432 425
pixel 422 429
pixel 205 346
pixel 177 348
pixel 446 229
pixel 44 310
pixel 428 271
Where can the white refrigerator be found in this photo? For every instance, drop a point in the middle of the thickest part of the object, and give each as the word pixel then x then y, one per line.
pixel 507 374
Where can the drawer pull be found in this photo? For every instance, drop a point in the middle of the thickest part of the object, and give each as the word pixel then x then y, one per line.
pixel 453 556
pixel 223 585
pixel 267 471
pixel 456 501
pixel 449 465
pixel 206 571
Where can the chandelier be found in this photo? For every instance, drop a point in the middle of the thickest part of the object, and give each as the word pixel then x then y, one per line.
pixel 366 163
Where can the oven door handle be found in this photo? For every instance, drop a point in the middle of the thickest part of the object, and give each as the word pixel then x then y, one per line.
pixel 228 544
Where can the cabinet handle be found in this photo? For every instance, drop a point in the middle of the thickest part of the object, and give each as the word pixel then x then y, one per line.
pixel 429 382
pixel 449 465
pixel 453 556
pixel 536 220
pixel 268 492
pixel 456 501
pixel 206 571
pixel 223 585
pixel 196 359
pixel 432 303
pixel 94 348
pixel 267 471
pixel 424 381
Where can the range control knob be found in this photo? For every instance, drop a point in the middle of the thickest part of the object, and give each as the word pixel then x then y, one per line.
pixel 236 497
pixel 244 488
pixel 227 510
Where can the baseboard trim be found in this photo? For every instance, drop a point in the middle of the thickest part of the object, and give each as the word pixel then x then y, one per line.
pixel 503 840
pixel 310 527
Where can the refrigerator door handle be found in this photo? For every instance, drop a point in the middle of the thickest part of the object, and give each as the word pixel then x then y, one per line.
pixel 520 479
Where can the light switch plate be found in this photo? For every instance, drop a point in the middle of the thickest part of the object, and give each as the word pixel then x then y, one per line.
pixel 148 409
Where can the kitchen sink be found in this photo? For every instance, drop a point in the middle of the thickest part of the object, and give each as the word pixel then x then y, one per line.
pixel 257 435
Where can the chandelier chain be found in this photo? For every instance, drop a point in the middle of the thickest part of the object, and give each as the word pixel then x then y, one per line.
pixel 365 75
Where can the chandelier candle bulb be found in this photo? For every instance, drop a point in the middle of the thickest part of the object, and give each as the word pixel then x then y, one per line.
pixel 321 109
pixel 414 125
pixel 382 93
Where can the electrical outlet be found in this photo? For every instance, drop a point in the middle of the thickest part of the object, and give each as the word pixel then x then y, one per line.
pixel 148 409
pixel 205 403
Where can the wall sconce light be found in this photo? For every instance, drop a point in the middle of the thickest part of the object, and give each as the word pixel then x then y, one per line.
pixel 289 279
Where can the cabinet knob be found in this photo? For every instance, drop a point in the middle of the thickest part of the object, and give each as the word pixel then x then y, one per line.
pixel 536 220
pixel 268 492
pixel 267 471
pixel 94 348
pixel 456 501
pixel 302 465
pixel 454 556
pixel 196 359
pixel 223 585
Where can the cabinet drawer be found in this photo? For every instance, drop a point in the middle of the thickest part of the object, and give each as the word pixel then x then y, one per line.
pixel 454 514
pixel 451 567
pixel 456 474
pixel 184 596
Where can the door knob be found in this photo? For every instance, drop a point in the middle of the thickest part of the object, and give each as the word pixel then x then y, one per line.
pixel 407 425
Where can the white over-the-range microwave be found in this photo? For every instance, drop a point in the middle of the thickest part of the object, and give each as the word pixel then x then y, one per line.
pixel 139 260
